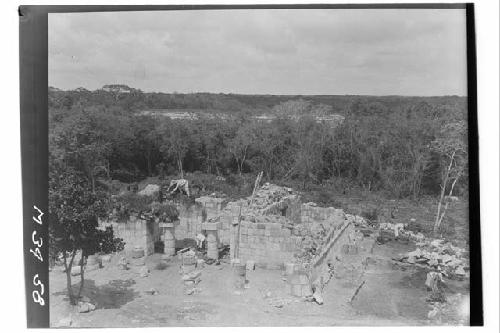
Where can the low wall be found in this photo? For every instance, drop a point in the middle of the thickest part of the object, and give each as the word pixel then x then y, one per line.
pixel 269 244
pixel 137 232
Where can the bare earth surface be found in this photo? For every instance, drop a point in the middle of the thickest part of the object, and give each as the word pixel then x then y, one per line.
pixel 388 296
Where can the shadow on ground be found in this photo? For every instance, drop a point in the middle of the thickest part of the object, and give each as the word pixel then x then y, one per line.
pixel 112 295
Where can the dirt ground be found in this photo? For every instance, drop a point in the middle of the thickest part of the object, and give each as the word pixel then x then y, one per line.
pixel 386 295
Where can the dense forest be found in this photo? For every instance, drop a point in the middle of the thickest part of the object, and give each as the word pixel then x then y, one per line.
pixel 399 146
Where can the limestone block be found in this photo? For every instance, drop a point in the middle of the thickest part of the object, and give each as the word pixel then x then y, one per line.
pixel 210 226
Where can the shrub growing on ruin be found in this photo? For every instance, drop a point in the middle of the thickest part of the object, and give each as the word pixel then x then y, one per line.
pixel 371 214
pixel 166 212
pixel 131 203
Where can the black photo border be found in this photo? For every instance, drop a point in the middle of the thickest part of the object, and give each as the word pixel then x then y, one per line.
pixel 33 60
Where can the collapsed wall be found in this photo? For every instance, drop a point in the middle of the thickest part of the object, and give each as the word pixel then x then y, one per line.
pixel 271 228
pixel 274 228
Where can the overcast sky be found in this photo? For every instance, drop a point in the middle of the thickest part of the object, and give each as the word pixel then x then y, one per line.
pixel 357 51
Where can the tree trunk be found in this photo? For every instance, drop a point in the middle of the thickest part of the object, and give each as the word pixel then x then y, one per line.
pixel 93 182
pixel 243 161
pixel 148 161
pixel 82 277
pixel 239 166
pixel 179 164
pixel 68 267
pixel 447 203
pixel 108 170
pixel 439 216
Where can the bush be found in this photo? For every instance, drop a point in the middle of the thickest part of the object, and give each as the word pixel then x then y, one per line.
pixel 110 244
pixel 125 176
pixel 128 203
pixel 370 214
pixel 233 180
pixel 165 211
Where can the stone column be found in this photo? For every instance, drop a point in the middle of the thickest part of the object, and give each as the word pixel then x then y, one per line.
pixel 232 241
pixel 168 238
pixel 212 239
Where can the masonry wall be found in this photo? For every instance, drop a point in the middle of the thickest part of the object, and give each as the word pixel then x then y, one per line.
pixel 191 218
pixel 137 232
pixel 269 244
pixel 228 219
pixel 328 215
pixel 189 224
pixel 273 244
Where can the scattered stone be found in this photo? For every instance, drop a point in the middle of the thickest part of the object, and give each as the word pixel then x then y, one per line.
pixel 84 299
pixel 279 302
pixel 439 255
pixel 84 307
pixel 137 252
pixel 123 263
pixel 250 265
pixel 144 271
pixel 138 262
pixel 460 270
pixel 191 276
pixel 433 313
pixel 64 322
pixel 152 291
pixel 90 268
pixel 318 298
pixel 105 259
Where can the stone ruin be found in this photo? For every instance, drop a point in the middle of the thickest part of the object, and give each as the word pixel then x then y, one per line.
pixel 272 229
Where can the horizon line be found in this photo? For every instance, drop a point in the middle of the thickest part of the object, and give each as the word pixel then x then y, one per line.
pixel 256 94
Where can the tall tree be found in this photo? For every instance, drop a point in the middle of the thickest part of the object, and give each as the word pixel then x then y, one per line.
pixel 74 209
pixel 451 144
pixel 175 141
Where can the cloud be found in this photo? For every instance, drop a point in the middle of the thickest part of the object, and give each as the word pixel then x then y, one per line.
pixel 408 52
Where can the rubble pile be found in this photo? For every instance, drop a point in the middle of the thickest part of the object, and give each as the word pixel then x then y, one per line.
pixel 272 199
pixel 358 221
pixel 441 256
pixel 314 236
pixel 400 230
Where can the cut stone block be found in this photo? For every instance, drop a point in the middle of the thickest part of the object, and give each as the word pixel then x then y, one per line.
pixel 211 226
